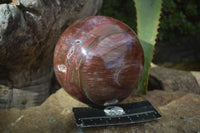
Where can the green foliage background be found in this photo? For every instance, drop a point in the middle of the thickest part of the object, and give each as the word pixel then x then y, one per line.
pixel 123 10
pixel 178 18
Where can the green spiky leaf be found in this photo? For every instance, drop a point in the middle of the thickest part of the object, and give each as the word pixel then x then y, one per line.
pixel 148 14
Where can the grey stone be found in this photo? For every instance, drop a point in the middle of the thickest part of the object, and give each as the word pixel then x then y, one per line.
pixel 196 74
pixel 173 80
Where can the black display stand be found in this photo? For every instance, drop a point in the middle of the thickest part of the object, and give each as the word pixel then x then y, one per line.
pixel 116 114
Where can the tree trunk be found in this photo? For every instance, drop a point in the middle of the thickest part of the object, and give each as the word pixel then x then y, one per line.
pixel 29 31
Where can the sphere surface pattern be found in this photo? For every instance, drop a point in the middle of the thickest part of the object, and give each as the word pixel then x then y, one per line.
pixel 98 60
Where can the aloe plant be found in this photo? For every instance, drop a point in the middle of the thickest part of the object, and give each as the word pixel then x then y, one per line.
pixel 148 14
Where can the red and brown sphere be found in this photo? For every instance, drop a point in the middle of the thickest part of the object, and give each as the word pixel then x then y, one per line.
pixel 99 60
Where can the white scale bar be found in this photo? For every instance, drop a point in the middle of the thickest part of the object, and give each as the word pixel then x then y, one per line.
pixel 129 115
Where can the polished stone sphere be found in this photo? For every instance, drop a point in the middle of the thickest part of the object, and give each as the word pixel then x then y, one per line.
pixel 99 60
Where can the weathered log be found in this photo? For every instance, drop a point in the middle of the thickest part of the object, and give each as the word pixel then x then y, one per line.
pixel 28 34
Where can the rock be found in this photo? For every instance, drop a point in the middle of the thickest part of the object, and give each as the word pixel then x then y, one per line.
pixel 29 31
pixel 174 80
pixel 184 111
pixel 54 115
pixel 196 74
pixel 180 113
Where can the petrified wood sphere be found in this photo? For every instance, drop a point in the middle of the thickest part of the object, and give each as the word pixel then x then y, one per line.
pixel 98 60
